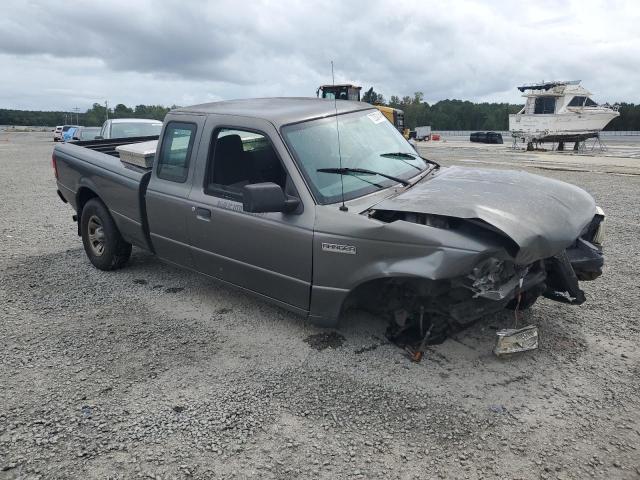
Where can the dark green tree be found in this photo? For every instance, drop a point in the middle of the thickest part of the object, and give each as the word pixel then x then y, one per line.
pixel 370 96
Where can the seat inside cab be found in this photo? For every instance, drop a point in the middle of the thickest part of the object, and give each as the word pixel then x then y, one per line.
pixel 238 158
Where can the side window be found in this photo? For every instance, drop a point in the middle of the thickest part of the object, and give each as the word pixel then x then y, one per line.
pixel 238 158
pixel 177 142
pixel 576 102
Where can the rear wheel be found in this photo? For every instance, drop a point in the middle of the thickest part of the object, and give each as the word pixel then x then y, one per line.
pixel 103 244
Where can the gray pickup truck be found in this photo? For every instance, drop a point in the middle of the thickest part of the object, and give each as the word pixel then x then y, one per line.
pixel 318 206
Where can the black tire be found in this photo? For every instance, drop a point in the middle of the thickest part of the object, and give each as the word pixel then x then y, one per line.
pixel 102 241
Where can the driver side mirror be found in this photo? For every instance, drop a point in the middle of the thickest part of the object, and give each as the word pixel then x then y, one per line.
pixel 98 137
pixel 267 197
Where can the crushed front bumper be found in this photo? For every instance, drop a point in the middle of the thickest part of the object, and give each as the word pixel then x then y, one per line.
pixel 583 260
pixel 585 255
pixel 586 259
pixel 529 281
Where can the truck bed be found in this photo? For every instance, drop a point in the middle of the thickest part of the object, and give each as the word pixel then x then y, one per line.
pixel 109 146
pixel 92 168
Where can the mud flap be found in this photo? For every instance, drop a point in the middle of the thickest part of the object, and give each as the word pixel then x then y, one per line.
pixel 562 282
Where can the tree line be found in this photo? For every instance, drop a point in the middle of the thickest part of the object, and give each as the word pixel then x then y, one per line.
pixel 454 114
pixel 93 117
pixel 442 115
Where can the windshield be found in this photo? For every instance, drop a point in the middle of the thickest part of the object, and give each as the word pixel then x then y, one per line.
pixel 134 129
pixel 89 133
pixel 364 138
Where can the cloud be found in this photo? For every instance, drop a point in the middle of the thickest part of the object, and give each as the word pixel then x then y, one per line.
pixel 59 54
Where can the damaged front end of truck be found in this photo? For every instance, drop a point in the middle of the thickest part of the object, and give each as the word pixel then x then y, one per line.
pixel 550 234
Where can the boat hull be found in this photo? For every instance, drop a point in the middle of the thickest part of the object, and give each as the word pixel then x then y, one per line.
pixel 540 126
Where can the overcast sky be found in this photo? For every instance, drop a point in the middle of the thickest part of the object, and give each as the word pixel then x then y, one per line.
pixel 58 55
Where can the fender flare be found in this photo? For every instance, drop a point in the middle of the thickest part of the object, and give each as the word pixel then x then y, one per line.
pixel 85 192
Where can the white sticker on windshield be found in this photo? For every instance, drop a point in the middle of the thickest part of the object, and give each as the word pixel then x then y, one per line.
pixel 376 117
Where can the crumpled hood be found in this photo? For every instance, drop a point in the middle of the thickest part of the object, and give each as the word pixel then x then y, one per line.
pixel 541 215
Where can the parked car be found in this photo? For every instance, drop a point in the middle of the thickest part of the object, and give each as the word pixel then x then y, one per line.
pixel 68 134
pixel 65 129
pixel 86 133
pixel 130 127
pixel 256 193
pixel 57 133
pixel 486 137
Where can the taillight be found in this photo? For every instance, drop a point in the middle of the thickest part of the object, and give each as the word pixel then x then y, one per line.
pixel 53 164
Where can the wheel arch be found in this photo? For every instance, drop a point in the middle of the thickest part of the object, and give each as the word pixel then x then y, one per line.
pixel 83 195
pixel 328 304
pixel 375 287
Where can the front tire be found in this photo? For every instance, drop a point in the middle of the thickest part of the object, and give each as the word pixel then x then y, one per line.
pixel 103 244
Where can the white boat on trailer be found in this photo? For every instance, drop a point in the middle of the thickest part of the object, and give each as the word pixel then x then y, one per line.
pixel 561 111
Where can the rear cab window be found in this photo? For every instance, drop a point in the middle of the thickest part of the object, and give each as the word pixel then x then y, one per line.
pixel 175 151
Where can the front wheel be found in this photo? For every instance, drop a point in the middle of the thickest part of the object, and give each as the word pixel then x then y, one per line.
pixel 103 244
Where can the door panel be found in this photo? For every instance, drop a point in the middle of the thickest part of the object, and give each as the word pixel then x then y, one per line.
pixel 269 253
pixel 167 215
pixel 167 196
pixel 264 253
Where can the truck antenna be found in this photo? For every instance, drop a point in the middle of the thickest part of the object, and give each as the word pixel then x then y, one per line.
pixel 343 207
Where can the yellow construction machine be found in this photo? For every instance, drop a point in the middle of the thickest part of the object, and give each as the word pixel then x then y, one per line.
pixel 352 92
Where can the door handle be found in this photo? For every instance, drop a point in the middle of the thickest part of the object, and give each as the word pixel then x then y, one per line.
pixel 203 213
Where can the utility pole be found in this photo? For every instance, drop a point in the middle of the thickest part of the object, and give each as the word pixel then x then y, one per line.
pixel 106 107
pixel 77 110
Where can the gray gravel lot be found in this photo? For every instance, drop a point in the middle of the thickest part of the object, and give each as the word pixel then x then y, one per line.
pixel 154 372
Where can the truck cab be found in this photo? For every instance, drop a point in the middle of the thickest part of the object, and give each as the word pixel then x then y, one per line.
pixel 195 200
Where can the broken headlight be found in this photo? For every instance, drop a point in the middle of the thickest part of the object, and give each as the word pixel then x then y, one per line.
pixel 495 279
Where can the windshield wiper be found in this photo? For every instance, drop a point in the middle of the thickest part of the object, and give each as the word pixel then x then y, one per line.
pixel 364 171
pixel 402 156
pixel 398 154
pixel 410 155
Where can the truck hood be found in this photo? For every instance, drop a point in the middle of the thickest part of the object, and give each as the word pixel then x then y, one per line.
pixel 541 215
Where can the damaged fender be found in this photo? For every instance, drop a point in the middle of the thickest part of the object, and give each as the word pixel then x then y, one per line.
pixel 424 253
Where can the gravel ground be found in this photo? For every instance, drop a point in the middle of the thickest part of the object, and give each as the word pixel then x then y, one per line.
pixel 153 372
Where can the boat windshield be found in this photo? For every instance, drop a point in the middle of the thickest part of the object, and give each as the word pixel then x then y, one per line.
pixel 365 141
